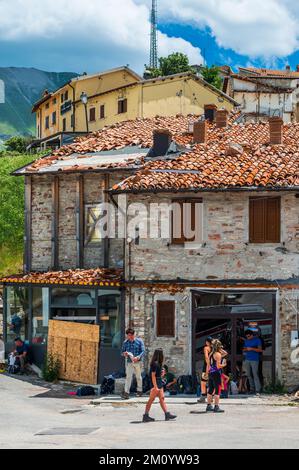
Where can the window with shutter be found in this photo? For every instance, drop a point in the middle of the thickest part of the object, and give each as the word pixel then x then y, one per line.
pixel 122 106
pixel 166 318
pixel 186 219
pixel 264 220
pixel 92 114
pixel 102 111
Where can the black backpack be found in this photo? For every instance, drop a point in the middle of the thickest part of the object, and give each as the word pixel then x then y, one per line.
pixel 85 391
pixel 107 386
pixel 187 384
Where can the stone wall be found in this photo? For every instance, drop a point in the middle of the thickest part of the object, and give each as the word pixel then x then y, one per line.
pixel 178 350
pixel 41 220
pixel 225 252
pixel 67 222
pixel 94 186
pixel 289 321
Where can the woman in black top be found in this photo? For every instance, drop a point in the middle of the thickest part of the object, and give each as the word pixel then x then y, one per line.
pixel 157 390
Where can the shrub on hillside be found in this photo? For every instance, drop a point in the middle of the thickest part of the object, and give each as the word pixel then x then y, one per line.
pixel 17 144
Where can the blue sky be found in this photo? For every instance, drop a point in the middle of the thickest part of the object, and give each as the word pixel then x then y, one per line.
pixel 71 35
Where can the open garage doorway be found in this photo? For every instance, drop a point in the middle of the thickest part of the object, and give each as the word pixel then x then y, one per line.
pixel 227 315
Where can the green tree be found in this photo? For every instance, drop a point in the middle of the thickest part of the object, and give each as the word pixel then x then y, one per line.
pixel 17 144
pixel 11 213
pixel 174 63
pixel 212 75
pixel 170 65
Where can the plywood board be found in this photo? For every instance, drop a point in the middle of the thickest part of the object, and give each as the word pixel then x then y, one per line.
pixel 77 347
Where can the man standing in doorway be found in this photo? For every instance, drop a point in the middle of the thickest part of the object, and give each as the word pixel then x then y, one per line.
pixel 133 350
pixel 252 350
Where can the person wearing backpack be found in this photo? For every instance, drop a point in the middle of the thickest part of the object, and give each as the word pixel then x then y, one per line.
pixel 157 387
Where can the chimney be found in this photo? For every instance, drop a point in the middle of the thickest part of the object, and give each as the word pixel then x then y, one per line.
pixel 288 68
pixel 200 132
pixel 275 125
pixel 162 141
pixel 210 112
pixel 221 118
pixel 297 68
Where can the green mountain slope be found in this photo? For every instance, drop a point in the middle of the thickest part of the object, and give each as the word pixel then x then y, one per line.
pixel 23 87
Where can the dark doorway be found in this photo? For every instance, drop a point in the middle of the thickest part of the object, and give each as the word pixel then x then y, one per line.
pixel 226 315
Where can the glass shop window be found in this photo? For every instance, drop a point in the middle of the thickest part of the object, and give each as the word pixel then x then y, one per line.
pixel 110 318
pixel 17 319
pixel 73 297
pixel 74 304
pixel 40 315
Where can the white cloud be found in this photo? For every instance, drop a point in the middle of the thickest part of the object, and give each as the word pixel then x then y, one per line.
pixel 115 29
pixel 257 28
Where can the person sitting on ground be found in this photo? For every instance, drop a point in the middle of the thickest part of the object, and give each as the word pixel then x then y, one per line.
pixel 169 380
pixel 157 387
pixel 16 324
pixel 21 353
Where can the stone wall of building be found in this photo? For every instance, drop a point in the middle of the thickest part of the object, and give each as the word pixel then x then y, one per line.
pixel 41 220
pixel 288 357
pixel 67 222
pixel 178 350
pixel 42 215
pixel 225 252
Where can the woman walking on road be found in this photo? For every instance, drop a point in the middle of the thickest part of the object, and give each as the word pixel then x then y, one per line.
pixel 215 366
pixel 157 390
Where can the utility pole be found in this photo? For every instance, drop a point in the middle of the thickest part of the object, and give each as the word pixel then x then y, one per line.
pixel 154 36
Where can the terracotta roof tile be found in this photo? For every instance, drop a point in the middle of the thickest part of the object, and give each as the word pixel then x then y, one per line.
pixel 137 133
pixel 89 277
pixel 271 73
pixel 209 167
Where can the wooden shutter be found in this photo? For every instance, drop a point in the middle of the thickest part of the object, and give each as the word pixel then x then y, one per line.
pixel 92 114
pixel 186 224
pixel 264 220
pixel 125 106
pixel 166 318
pixel 177 228
pixel 272 222
pixel 256 221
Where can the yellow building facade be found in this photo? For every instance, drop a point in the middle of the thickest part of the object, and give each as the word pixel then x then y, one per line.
pixel 119 95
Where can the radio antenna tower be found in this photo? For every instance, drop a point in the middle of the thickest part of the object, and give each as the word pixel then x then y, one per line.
pixel 154 36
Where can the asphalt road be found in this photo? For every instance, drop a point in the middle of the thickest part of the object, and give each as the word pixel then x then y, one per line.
pixel 31 421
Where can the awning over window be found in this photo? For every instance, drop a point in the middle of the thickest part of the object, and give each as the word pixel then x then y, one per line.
pixel 78 277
